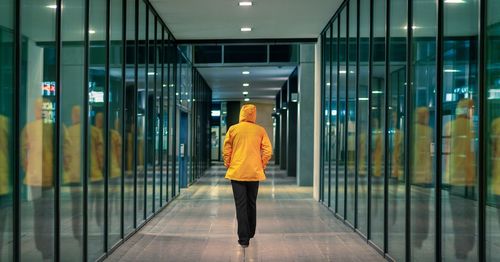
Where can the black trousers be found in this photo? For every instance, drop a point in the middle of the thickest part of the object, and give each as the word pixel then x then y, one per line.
pixel 245 198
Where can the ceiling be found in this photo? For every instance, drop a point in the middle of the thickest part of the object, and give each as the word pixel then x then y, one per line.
pixel 227 82
pixel 222 19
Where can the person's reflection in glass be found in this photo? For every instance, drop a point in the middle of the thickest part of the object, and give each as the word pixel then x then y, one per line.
pixel 97 167
pixel 37 160
pixel 5 189
pixel 396 163
pixel 72 176
pixel 421 167
pixel 377 158
pixel 115 167
pixel 495 162
pixel 461 169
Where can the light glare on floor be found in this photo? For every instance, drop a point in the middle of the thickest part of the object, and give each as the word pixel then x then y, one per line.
pixel 245 3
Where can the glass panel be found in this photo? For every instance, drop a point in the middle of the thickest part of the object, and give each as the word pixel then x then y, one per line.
pixel 37 122
pixel 341 114
pixel 422 172
pixel 150 115
pixel 204 54
pixel 326 136
pixel 283 53
pixel 459 137
pixel 158 135
pixel 172 87
pixel 6 127
pixel 115 120
pixel 141 113
pixel 72 128
pixel 362 119
pixel 351 111
pixel 377 123
pixel 130 119
pixel 97 116
pixel 396 122
pixel 333 115
pixel 245 53
pixel 492 86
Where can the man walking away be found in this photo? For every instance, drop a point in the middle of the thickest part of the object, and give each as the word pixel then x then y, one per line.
pixel 247 151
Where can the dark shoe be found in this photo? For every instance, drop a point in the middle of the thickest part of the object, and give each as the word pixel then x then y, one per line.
pixel 244 244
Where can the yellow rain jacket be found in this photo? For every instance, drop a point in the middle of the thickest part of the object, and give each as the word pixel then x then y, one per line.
pixel 115 151
pixel 74 171
pixel 247 148
pixel 4 156
pixel 96 154
pixel 421 165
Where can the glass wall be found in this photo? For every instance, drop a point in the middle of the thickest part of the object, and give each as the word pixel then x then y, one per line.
pixel 7 131
pixel 415 94
pixel 87 125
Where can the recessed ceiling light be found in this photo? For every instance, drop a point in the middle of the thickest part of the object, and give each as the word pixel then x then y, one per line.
pixel 245 3
pixel 451 70
pixel 247 99
pixel 246 29
pixel 52 6
pixel 245 72
pixel 151 73
pixel 246 84
pixel 91 31
pixel 245 93
pixel 342 72
pixel 454 1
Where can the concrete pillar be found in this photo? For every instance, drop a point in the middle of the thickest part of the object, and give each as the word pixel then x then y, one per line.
pixel 317 119
pixel 306 116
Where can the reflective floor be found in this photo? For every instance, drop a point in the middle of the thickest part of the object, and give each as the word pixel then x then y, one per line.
pixel 201 226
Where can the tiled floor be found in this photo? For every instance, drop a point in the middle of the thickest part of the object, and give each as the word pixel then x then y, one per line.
pixel 201 226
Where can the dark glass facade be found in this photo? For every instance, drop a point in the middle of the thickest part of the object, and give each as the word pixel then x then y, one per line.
pixel 409 126
pixel 89 125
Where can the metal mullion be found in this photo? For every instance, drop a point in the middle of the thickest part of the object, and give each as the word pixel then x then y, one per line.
pixel 106 129
pixel 174 114
pixel 161 56
pixel 337 120
pixel 386 125
pixel 86 131
pixel 370 74
pixel 146 122
pixel 438 122
pixel 123 129
pixel 167 50
pixel 408 129
pixel 356 136
pixel 322 122
pixel 154 115
pixel 16 106
pixel 57 151
pixel 136 93
pixel 482 131
pixel 346 115
pixel 329 138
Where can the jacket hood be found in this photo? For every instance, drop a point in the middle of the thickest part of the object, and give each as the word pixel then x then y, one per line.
pixel 248 113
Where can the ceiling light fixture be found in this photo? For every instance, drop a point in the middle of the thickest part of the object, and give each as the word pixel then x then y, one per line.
pixel 451 70
pixel 246 84
pixel 245 72
pixel 247 99
pixel 91 31
pixel 245 93
pixel 342 71
pixel 245 3
pixel 246 29
pixel 454 1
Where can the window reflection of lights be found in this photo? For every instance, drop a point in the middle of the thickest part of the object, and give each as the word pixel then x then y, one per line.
pixel 377 92
pixel 494 94
pixel 454 1
pixel 177 94
pixel 451 71
pixel 164 85
pixel 342 72
pixel 328 84
pixel 172 85
pixel 284 108
pixel 52 6
pixel 91 31
pixel 334 112
pixel 274 108
pixel 351 72
pixel 413 27
pixel 363 99
pixel 450 97
pixel 151 73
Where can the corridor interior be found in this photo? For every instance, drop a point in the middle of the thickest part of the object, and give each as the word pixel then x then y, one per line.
pixel 200 225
